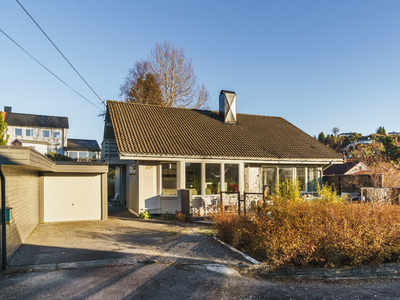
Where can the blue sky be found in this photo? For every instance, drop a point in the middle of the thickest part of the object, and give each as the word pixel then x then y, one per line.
pixel 318 64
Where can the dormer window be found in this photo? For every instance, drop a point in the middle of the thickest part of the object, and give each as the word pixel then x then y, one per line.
pixel 29 132
pixel 45 133
pixel 56 134
pixel 18 131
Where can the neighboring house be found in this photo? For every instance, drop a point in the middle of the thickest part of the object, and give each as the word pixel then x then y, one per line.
pixel 348 167
pixel 48 134
pixel 347 177
pixel 42 133
pixel 362 140
pixel 35 189
pixel 158 151
pixel 82 150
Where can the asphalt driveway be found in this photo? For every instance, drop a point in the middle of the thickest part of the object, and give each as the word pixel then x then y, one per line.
pixel 122 238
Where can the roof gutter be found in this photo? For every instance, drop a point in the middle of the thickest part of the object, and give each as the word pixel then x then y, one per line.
pixel 3 222
pixel 130 156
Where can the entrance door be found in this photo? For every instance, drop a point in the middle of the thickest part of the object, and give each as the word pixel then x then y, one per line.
pixel 269 178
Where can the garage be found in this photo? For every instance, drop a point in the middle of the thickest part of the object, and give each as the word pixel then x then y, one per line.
pixel 72 198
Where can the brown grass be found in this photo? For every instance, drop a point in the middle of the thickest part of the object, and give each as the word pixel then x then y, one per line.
pixel 316 233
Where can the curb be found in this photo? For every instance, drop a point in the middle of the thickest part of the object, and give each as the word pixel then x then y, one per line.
pixel 75 265
pixel 250 259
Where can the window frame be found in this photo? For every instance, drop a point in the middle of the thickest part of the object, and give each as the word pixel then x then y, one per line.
pixel 56 132
pixel 45 130
pixel 28 130
pixel 176 178
pixel 15 131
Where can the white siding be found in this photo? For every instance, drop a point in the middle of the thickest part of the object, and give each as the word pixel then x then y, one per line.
pixel 148 186
pixel 169 204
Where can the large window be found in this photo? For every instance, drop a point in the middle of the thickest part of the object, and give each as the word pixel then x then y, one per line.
pixel 231 177
pixel 83 156
pixel 213 179
pixel 45 133
pixel 56 134
pixel 193 177
pixel 73 155
pixel 285 173
pixel 18 131
pixel 168 179
pixel 312 179
pixel 301 177
pixel 29 132
pixel 269 178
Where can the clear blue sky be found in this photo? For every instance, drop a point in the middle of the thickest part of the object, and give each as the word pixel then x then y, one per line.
pixel 318 64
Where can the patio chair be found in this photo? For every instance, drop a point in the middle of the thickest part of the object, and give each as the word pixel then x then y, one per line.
pixel 209 206
pixel 115 201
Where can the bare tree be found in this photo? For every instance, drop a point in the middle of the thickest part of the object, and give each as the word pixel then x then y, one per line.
pixel 174 76
pixel 335 130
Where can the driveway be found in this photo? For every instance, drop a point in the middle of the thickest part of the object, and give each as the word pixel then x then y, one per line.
pixel 126 258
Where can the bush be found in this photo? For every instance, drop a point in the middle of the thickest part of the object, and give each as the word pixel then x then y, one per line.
pixel 144 215
pixel 316 233
pixel 181 217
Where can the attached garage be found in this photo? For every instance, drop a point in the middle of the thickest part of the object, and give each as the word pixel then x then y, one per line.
pixel 73 197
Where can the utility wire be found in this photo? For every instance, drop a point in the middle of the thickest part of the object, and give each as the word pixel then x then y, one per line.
pixel 60 51
pixel 50 71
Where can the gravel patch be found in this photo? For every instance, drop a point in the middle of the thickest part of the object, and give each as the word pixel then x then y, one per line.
pixel 194 247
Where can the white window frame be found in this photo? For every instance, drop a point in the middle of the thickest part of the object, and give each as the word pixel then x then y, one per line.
pixel 30 131
pixel 15 131
pixel 45 130
pixel 161 179
pixel 55 132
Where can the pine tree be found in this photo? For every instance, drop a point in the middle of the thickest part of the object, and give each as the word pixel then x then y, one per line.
pixel 3 131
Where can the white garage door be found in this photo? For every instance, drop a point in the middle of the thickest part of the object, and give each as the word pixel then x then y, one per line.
pixel 72 198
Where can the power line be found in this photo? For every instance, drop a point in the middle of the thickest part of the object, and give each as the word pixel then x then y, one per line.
pixel 49 70
pixel 60 51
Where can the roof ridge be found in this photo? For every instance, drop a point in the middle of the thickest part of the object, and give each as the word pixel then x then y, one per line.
pixel 35 115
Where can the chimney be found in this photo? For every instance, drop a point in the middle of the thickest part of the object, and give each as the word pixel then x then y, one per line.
pixel 227 106
pixel 7 108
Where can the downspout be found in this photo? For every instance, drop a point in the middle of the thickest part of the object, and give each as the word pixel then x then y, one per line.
pixel 3 222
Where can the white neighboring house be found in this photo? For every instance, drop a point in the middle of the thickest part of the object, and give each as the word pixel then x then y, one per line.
pixel 42 133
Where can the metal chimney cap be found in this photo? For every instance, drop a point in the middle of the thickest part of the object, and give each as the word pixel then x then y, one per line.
pixel 226 92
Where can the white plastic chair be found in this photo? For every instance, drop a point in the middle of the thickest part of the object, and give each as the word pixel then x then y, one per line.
pixel 115 201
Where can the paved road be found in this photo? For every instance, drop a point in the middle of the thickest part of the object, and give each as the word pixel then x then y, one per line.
pixel 124 258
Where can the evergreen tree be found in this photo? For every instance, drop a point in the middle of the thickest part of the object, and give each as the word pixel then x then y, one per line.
pixel 321 137
pixel 3 131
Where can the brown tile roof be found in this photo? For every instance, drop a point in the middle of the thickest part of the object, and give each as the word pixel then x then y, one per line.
pixel 17 119
pixel 154 130
pixel 340 169
pixel 82 145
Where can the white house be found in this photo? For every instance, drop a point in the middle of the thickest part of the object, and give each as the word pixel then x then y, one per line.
pixel 158 151
pixel 42 133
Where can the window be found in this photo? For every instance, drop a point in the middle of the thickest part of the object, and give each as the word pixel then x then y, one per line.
pixel 132 168
pixel 213 179
pixel 269 179
pixel 312 179
pixel 301 177
pixel 285 173
pixel 73 155
pixel 93 155
pixel 82 156
pixel 56 134
pixel 45 133
pixel 193 177
pixel 231 178
pixel 18 131
pixel 29 132
pixel 168 179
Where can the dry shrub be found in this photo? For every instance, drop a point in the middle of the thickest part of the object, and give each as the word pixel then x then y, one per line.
pixel 316 233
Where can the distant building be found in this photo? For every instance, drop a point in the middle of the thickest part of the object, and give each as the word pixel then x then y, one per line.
pixel 48 134
pixel 83 150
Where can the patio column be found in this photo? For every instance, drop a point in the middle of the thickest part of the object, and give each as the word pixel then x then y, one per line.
pixel 203 178
pixel 241 177
pixel 222 178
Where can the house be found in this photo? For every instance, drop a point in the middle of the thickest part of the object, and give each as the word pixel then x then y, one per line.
pixel 43 133
pixel 82 150
pixel 35 189
pixel 48 134
pixel 347 177
pixel 159 151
